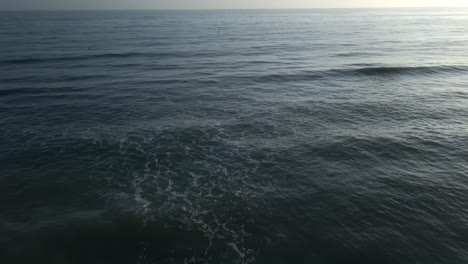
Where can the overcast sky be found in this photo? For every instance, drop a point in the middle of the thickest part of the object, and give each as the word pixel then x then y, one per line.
pixel 219 4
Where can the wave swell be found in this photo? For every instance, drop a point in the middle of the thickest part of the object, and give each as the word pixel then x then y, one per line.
pixel 384 72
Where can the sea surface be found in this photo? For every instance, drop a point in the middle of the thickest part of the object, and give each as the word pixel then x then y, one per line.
pixel 248 136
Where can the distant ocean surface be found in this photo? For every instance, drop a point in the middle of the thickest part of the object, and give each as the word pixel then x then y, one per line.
pixel 267 136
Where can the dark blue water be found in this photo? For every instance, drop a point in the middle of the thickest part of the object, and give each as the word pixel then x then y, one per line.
pixel 313 136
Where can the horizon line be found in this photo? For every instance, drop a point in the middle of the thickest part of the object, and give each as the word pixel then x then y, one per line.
pixel 239 9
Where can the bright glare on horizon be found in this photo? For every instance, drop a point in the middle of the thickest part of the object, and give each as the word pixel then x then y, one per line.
pixel 222 4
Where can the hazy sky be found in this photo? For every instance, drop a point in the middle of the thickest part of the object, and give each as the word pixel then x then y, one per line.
pixel 219 4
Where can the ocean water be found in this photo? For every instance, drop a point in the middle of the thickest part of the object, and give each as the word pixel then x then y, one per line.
pixel 266 136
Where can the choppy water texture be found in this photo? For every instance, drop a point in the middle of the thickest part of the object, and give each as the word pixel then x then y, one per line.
pixel 313 136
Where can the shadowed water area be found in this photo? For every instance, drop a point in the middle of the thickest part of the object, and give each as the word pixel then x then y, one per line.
pixel 287 136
